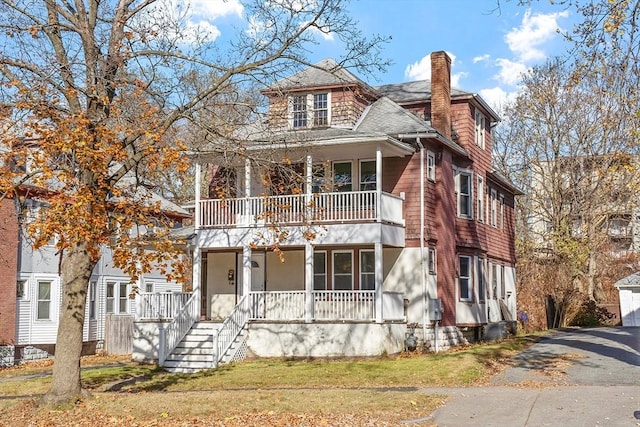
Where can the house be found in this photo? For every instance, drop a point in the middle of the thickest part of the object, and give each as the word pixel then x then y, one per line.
pixel 356 216
pixel 629 294
pixel 31 288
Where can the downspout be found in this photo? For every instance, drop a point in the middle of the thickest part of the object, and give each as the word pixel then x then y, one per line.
pixel 423 282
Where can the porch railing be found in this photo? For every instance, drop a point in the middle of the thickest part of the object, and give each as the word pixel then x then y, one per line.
pixel 174 331
pixel 224 337
pixel 160 305
pixel 327 305
pixel 355 206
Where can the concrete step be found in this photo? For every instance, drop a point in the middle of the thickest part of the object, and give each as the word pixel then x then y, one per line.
pixel 188 358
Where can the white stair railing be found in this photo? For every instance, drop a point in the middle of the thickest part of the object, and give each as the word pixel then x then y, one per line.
pixel 172 334
pixel 224 337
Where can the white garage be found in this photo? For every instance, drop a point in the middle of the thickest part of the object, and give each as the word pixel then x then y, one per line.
pixel 629 294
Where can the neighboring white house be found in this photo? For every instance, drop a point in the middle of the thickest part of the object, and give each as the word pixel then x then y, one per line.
pixel 629 291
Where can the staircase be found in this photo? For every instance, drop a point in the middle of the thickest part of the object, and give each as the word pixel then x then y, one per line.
pixel 195 352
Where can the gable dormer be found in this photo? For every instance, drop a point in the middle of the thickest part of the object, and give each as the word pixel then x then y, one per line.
pixel 321 96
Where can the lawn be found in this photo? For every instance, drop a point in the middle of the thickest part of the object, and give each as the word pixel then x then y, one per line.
pixel 372 391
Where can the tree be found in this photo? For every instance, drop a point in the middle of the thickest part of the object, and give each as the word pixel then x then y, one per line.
pixel 99 90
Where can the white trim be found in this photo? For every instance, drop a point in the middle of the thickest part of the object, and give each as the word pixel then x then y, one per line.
pixel 326 281
pixel 309 109
pixel 458 172
pixel 370 273
pixel 480 197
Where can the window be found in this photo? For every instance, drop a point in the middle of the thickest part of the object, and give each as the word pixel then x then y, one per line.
pixel 480 191
pixel 367 175
pixel 463 193
pixel 299 111
pixel 480 129
pixel 432 261
pixel 503 291
pixel 494 280
pixel 464 278
pixel 482 287
pixel 320 109
pixel 367 270
pixel 431 166
pixel 319 271
pixel 319 179
pixel 92 300
pixel 494 208
pixel 44 300
pixel 21 288
pixel 501 223
pixel 148 287
pixel 342 177
pixel 310 110
pixel 111 292
pixel 343 271
pixel 124 297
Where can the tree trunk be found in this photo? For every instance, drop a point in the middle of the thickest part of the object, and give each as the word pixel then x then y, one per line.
pixel 77 267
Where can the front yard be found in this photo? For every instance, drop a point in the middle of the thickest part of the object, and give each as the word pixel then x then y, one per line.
pixel 380 391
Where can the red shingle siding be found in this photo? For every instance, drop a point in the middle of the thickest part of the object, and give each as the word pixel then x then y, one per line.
pixel 8 270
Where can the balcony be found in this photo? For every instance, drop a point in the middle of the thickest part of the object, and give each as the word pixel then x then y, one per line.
pixel 301 209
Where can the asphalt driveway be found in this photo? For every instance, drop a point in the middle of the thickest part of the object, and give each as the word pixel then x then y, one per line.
pixel 572 377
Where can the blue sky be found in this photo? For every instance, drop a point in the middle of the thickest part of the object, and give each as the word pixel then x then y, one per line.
pixel 490 47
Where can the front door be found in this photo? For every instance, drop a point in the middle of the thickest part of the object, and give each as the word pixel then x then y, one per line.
pixel 257 272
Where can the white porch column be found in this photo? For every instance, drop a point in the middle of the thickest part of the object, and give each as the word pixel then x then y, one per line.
pixel 198 178
pixel 196 278
pixel 246 270
pixel 247 189
pixel 378 279
pixel 379 184
pixel 308 283
pixel 308 249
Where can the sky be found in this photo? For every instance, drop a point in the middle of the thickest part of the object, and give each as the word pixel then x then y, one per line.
pixel 491 42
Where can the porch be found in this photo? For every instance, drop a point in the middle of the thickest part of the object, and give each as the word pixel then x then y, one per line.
pixel 285 306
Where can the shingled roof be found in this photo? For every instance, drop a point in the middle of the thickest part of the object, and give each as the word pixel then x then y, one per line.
pixel 322 74
pixel 412 91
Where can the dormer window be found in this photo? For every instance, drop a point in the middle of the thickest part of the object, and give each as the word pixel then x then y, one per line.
pixel 310 110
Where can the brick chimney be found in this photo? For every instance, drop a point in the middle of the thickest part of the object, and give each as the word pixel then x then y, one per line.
pixel 441 92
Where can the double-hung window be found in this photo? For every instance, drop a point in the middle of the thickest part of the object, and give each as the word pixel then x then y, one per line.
pixel 464 278
pixel 480 129
pixel 367 270
pixel 431 166
pixel 432 261
pixel 320 109
pixel 464 192
pixel 480 192
pixel 494 208
pixel 310 110
pixel 367 175
pixel 92 300
pixel 117 297
pixel 299 111
pixel 342 176
pixel 319 271
pixel 342 270
pixel 44 300
pixel 482 284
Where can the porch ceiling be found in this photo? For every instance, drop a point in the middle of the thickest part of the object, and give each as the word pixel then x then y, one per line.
pixel 341 145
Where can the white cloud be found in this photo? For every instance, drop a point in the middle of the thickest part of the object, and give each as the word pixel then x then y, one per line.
pixel 421 70
pixel 197 17
pixel 527 43
pixel 481 58
pixel 497 98
pixel 510 71
pixel 527 40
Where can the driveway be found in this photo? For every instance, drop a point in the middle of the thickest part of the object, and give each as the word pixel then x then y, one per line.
pixel 572 377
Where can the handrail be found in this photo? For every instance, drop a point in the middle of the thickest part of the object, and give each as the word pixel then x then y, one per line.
pixel 172 334
pixel 224 337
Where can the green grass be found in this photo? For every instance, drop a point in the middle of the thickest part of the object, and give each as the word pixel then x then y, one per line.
pixel 382 388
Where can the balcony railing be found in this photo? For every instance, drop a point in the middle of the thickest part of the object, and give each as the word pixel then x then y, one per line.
pixel 160 305
pixel 356 206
